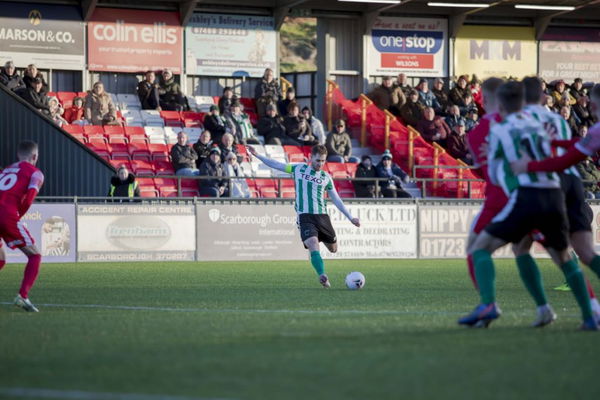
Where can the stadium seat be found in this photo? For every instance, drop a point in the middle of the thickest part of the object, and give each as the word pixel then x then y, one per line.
pixel 165 182
pixel 148 191
pixel 345 189
pixel 99 146
pixel 116 130
pixel 192 119
pixel 129 101
pixel 171 118
pixel 295 154
pixel 158 152
pixel 193 134
pixel 146 182
pixel 253 117
pixel 139 150
pixel 216 99
pixel 168 191
pixel 134 131
pixel 51 94
pixel 248 103
pixel 336 170
pixel 203 103
pixel 164 168
pixel 275 151
pixel 189 183
pixel 93 130
pixel 80 137
pixel 288 190
pixel 306 150
pixel 119 151
pixel 243 152
pixel 74 129
pixel 188 192
pixel 351 169
pixel 266 187
pixel 152 118
pixel 82 94
pixel 66 98
pixel 132 117
pixel 142 168
pixel 252 188
pixel 118 163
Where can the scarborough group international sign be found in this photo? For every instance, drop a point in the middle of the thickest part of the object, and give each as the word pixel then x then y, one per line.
pixel 122 40
pixel 416 46
pixel 230 45
pixel 495 51
pixel 48 36
pixel 570 53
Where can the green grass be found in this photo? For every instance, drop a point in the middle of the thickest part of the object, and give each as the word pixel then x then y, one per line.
pixel 313 347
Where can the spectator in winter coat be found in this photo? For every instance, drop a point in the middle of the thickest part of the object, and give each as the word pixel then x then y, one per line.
pixel 123 184
pixel 226 101
pixel 396 178
pixel 290 97
pixel 582 113
pixel 412 111
pixel 427 98
pixel 227 146
pixel 565 112
pixel 457 94
pixel 267 92
pixel 576 90
pixel 169 92
pixel 297 130
pixel 56 111
pixel 456 144
pixel 147 91
pixel 76 113
pixel 35 96
pixel 402 83
pixel 561 95
pixel 99 107
pixel 471 121
pixel 550 105
pixel 237 187
pixel 433 128
pixel 202 148
pixel 454 117
pixel 271 127
pixel 11 79
pixel 366 169
pixel 216 124
pixel 590 176
pixel 441 95
pixel 469 106
pixel 316 126
pixel 388 97
pixel 212 167
pixel 31 74
pixel 242 128
pixel 184 157
pixel 339 144
pixel 477 93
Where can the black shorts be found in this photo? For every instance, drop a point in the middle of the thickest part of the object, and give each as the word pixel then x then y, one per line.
pixel 318 225
pixel 579 212
pixel 529 209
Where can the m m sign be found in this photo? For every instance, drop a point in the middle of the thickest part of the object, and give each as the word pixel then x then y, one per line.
pixel 494 50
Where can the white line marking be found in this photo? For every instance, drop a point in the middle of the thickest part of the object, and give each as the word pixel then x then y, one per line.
pixel 82 395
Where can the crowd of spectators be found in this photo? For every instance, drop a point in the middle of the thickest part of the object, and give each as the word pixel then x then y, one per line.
pixel 391 182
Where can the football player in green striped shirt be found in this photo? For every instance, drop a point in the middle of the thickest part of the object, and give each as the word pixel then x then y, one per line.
pixel 311 184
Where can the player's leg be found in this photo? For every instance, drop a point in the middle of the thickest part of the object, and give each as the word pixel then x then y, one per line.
pixel 312 244
pixel 470 264
pixel 2 255
pixel 332 247
pixel 583 245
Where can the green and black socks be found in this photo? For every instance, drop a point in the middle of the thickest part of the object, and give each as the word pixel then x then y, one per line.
pixel 531 277
pixel 576 281
pixel 486 276
pixel 317 262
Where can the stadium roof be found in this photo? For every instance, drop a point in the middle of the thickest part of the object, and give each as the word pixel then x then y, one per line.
pixel 585 12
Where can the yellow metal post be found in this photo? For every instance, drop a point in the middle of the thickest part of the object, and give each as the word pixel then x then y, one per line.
pixel 365 102
pixel 331 86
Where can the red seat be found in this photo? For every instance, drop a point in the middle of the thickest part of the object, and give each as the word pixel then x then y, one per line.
pixel 119 151
pixel 82 94
pixel 253 117
pixel 139 150
pixel 164 168
pixel 134 131
pixel 306 150
pixel 242 151
pixel 167 191
pixel 165 182
pixel 295 154
pixel 216 99
pixel 148 191
pixel 73 129
pixel 99 146
pixel 287 188
pixel 66 98
pixel 93 130
pixel 336 170
pixel 117 139
pixel 189 183
pixel 114 130
pixel 345 188
pixel 249 104
pixel 159 151
pixel 80 137
pixel 266 187
pixel 51 94
pixel 188 192
pixel 118 163
pixel 171 118
pixel 142 168
pixel 351 169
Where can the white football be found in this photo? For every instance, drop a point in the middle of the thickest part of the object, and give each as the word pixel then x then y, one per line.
pixel 355 280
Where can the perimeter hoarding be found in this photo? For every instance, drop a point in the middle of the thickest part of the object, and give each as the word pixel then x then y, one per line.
pixel 123 40
pixel 415 46
pixel 495 51
pixel 136 232
pixel 53 228
pixel 569 54
pixel 48 36
pixel 230 45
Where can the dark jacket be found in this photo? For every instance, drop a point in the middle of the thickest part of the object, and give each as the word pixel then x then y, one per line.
pixel 397 175
pixel 282 106
pixel 294 128
pixel 127 188
pixel 12 82
pixel 453 120
pixel 411 113
pixel 442 98
pixel 29 81
pixel 270 128
pixel 225 104
pixel 216 125
pixel 589 173
pixel 170 92
pixel 38 100
pixel 385 98
pixel 338 144
pixel 365 188
pixel 268 89
pixel 583 115
pixel 428 129
pixel 203 151
pixel 209 169
pixel 183 157
pixel 456 145
pixel 225 152
pixel 457 95
pixel 148 94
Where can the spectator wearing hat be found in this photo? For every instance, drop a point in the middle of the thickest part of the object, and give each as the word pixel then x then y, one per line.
pixel 237 187
pixel 267 92
pixel 147 91
pixel 76 113
pixel 216 124
pixel 227 100
pixel 56 111
pixel 11 79
pixel 388 97
pixel 123 184
pixel 290 97
pixel 184 157
pixel 412 111
pixel 576 90
pixel 453 118
pixel 242 128
pixel 432 127
pixel 37 97
pixel 297 130
pixel 457 94
pixel 339 144
pixel 396 178
pixel 227 146
pixel 441 94
pixel 402 83
pixel 212 167
pixel 99 107
pixel 426 97
pixel 561 95
pixel 270 126
pixel 456 143
pixel 31 74
pixel 169 92
pixel 366 169
pixel 202 147
pixel 316 126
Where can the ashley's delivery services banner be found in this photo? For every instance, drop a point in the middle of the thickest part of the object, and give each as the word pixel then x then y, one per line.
pixel 416 46
pixel 53 229
pixel 570 53
pixel 136 232
pixel 48 36
pixel 495 51
pixel 123 40
pixel 230 45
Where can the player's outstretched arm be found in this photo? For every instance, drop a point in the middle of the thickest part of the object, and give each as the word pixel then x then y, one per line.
pixel 553 164
pixel 335 198
pixel 267 161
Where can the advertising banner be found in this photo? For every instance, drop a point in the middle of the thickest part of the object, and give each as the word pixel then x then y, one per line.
pixel 415 46
pixel 136 232
pixel 570 53
pixel 53 229
pixel 48 36
pixel 495 51
pixel 230 45
pixel 122 40
pixel 386 231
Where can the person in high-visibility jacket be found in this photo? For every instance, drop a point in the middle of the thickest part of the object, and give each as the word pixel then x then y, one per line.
pixel 123 184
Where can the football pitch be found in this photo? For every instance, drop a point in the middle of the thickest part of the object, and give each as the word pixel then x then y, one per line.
pixel 268 330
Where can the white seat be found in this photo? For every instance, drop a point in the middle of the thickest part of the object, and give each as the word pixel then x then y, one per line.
pixel 157 140
pixel 130 100
pixel 204 100
pixel 171 139
pixel 263 173
pixel 154 131
pixel 247 169
pixel 274 150
pixel 361 151
pixel 260 149
pixel 193 131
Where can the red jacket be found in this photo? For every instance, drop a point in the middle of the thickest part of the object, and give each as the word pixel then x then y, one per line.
pixel 73 114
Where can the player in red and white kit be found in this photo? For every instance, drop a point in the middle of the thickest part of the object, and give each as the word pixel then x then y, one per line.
pixel 19 185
